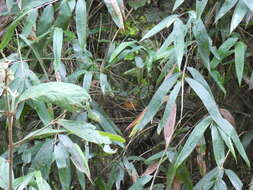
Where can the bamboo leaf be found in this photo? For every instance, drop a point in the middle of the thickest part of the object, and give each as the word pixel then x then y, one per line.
pixel 218 146
pixel 115 11
pixel 240 11
pixel 240 50
pixel 193 140
pixel 234 179
pixel 57 48
pixel 160 26
pixel 227 5
pixel 156 101
pixel 81 23
pixel 177 4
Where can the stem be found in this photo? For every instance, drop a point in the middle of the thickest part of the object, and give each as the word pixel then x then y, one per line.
pixel 10 117
pixel 10 132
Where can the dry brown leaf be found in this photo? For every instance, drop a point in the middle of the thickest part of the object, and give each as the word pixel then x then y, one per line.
pixel 177 184
pixel 129 105
pixel 151 168
pixel 138 118
pixel 169 127
pixel 202 165
pixel 228 116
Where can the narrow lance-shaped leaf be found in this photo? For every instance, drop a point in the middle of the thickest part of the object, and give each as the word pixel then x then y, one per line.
pixel 227 5
pixel 160 26
pixel 239 13
pixel 105 86
pixel 10 30
pixel 179 32
pixel 249 4
pixel 170 125
pixel 218 146
pixel 240 50
pixel 204 42
pixel 193 140
pixel 81 23
pixel 115 11
pixel 177 4
pixel 169 106
pixel 119 49
pixel 57 48
pixel 200 6
pixel 46 19
pixel 213 110
pixel 234 179
pixel 156 101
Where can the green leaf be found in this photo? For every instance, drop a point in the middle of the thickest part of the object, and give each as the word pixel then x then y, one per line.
pixel 87 79
pixel 65 95
pixel 208 180
pixel 177 4
pixel 81 23
pixel 64 15
pixel 160 26
pixel 22 182
pixel 213 110
pixel 141 181
pixel 179 32
pixel 240 50
pixel 119 49
pixel 218 146
pixel 116 12
pixel 112 137
pixel 31 23
pixel 63 165
pixel 227 139
pixel 77 156
pixel 193 140
pixel 204 42
pixel 10 30
pixel 105 86
pixel 85 161
pixel 45 20
pixel 200 6
pixel 234 179
pixel 240 11
pixel 249 4
pixel 220 184
pixel 43 159
pixel 42 133
pixel 218 79
pixel 4 177
pixel 156 101
pixel 84 130
pixel 57 48
pixel 227 5
pixel 199 77
pixel 171 101
pixel 42 184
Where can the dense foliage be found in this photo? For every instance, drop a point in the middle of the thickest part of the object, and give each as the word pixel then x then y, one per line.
pixel 134 94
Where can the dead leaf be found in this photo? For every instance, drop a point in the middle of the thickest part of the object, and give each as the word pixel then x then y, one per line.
pixel 202 165
pixel 129 105
pixel 177 184
pixel 228 116
pixel 169 127
pixel 138 118
pixel 151 168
